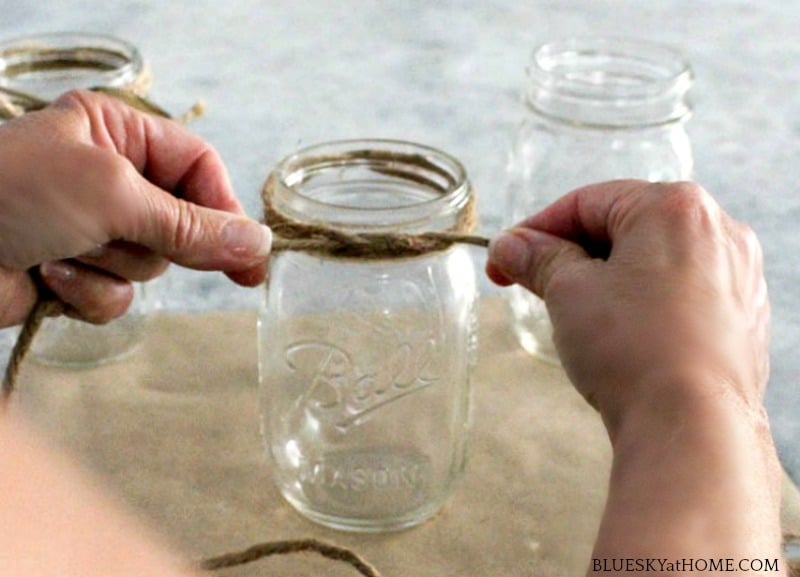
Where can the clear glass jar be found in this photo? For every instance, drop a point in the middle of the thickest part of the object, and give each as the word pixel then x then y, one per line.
pixel 365 363
pixel 597 109
pixel 45 66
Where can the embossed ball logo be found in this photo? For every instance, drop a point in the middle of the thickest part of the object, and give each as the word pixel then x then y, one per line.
pixel 378 352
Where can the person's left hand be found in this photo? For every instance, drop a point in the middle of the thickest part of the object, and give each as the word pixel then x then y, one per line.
pixel 100 195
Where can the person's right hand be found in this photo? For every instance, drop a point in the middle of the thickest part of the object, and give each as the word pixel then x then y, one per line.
pixel 642 281
pixel 660 315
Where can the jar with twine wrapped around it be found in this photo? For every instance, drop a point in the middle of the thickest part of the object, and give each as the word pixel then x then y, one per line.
pixel 368 331
pixel 33 71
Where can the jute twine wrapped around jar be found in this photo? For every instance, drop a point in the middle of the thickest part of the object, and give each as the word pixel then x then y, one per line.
pixel 322 239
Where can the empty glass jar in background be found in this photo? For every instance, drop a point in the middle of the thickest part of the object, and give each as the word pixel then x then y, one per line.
pixel 597 109
pixel 365 363
pixel 45 66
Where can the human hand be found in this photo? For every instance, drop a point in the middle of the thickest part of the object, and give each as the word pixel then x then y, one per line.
pixel 103 195
pixel 643 281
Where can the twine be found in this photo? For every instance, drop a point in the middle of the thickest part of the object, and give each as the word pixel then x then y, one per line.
pixel 290 234
pixel 262 550
pixel 46 305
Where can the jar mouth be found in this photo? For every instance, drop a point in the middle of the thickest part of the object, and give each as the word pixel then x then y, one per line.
pixel 371 183
pixel 45 65
pixel 608 81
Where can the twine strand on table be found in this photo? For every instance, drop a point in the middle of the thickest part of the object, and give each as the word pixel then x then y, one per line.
pixel 263 550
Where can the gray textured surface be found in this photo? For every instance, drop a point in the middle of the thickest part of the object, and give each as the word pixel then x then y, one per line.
pixel 278 75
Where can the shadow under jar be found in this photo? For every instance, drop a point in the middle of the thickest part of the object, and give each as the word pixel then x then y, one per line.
pixel 365 363
pixel 597 109
pixel 35 70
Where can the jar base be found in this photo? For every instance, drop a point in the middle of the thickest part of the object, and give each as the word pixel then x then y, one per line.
pixel 533 346
pixel 531 325
pixel 65 342
pixel 361 525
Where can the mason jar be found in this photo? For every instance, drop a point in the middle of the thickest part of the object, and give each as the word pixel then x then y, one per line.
pixel 365 362
pixel 597 109
pixel 35 70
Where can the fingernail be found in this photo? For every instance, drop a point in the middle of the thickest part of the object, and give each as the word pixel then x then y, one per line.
pixel 247 239
pixel 58 270
pixel 508 252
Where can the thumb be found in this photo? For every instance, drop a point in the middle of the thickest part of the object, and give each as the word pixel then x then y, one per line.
pixel 530 257
pixel 198 237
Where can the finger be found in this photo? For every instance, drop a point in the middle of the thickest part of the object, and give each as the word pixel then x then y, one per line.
pixel 251 277
pixel 126 260
pixel 592 215
pixel 532 258
pixel 496 276
pixel 194 236
pixel 160 149
pixel 91 295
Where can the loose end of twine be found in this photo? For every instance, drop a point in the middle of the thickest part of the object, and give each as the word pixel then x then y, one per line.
pixel 41 310
pixel 262 550
pixel 197 110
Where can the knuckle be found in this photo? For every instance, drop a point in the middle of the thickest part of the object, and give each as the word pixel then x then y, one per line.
pixel 687 203
pixel 745 246
pixel 187 227
pixel 116 178
pixel 541 273
pixel 749 241
pixel 686 198
pixel 85 105
pixel 76 99
pixel 113 171
pixel 555 274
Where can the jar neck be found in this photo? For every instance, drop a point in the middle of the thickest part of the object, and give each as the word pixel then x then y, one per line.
pixel 609 83
pixel 372 186
pixel 48 65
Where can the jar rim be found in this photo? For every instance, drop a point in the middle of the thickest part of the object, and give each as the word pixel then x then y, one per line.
pixel 609 81
pixel 114 61
pixel 425 166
